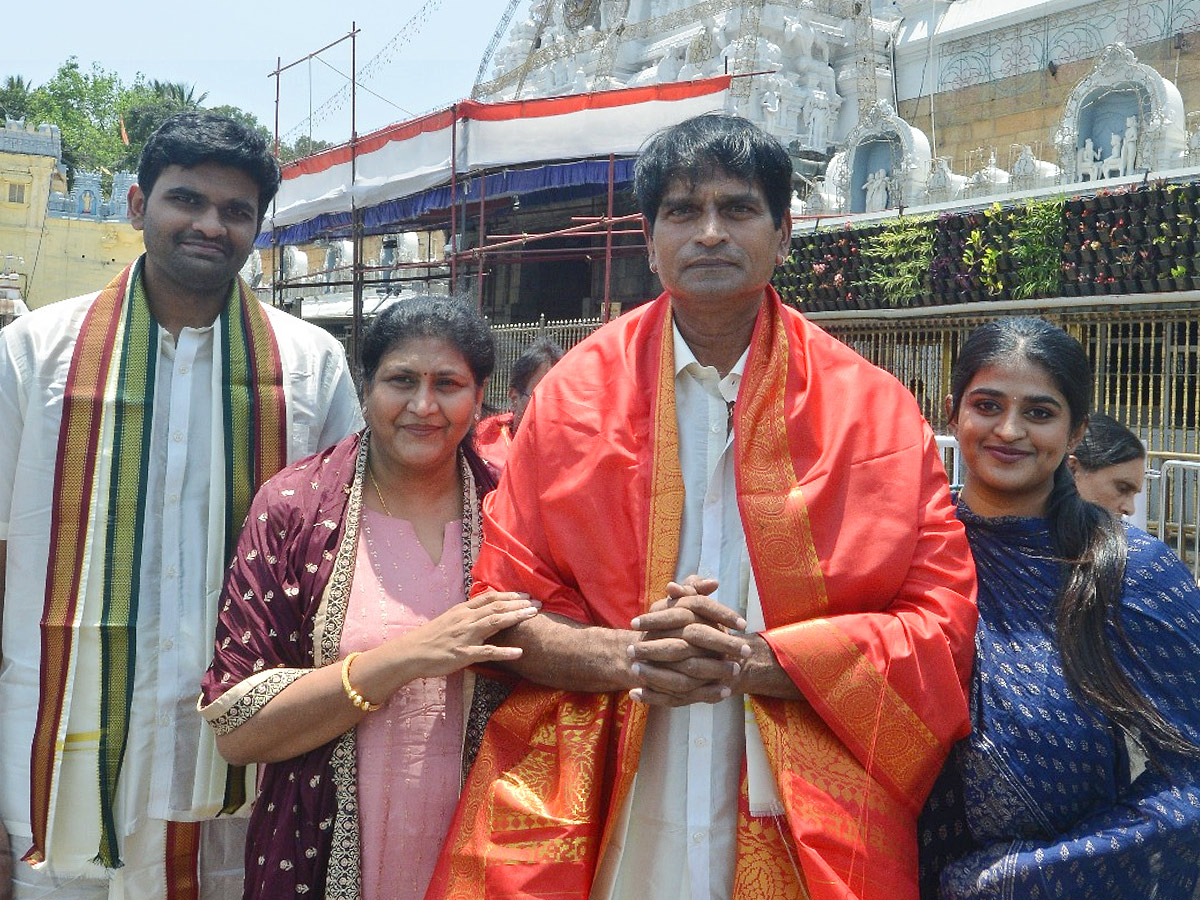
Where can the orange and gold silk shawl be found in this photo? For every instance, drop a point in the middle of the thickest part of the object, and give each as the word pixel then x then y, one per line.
pixel 866 585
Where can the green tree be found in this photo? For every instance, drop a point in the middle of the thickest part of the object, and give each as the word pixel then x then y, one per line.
pixel 303 146
pixel 180 95
pixel 93 107
pixel 245 119
pixel 14 97
pixel 146 105
pixel 85 106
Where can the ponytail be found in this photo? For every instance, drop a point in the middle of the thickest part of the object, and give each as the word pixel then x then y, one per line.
pixel 1092 544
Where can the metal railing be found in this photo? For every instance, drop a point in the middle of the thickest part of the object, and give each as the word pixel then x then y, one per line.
pixel 1147 362
pixel 1176 519
pixel 513 340
pixel 1168 507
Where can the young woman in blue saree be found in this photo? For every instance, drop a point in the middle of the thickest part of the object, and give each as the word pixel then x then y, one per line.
pixel 1081 777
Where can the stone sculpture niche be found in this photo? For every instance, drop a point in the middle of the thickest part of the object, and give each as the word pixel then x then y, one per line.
pixel 886 164
pixel 1123 118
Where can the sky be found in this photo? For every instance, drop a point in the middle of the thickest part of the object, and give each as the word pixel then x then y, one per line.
pixel 428 53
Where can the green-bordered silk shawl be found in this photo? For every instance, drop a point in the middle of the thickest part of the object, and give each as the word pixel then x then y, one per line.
pixel 99 519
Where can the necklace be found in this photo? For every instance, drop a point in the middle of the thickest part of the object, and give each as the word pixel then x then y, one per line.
pixel 378 492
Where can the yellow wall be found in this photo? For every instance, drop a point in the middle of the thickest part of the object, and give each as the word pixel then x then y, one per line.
pixel 78 256
pixel 56 258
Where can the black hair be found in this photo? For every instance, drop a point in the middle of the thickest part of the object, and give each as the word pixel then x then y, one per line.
pixel 1107 443
pixel 451 319
pixel 542 352
pixel 192 138
pixel 712 142
pixel 1089 539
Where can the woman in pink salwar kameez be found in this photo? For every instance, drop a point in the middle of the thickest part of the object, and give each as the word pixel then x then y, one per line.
pixel 345 630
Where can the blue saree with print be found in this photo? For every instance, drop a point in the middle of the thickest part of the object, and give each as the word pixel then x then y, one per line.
pixel 1047 798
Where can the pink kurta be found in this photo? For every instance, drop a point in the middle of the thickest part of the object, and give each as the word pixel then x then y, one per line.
pixel 409 752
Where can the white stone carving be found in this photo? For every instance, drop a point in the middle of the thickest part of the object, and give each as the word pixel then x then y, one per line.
pixel 1029 172
pixel 1155 137
pixel 294 264
pixel 988 180
pixel 876 189
pixel 797 49
pixel 943 184
pixel 252 270
pixel 909 164
pixel 1129 146
pixel 1087 162
pixel 1112 166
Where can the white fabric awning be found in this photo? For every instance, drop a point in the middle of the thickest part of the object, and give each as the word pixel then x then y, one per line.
pixel 409 157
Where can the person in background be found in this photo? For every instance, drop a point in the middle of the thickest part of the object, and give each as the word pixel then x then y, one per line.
pixel 135 425
pixel 495 433
pixel 345 626
pixel 1081 775
pixel 1109 465
pixel 761 602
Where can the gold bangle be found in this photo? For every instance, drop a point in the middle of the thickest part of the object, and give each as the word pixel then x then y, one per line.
pixel 355 697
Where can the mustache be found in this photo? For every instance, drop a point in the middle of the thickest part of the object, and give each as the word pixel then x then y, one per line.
pixel 195 237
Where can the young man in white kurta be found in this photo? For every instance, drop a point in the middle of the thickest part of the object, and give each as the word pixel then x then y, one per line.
pixel 160 767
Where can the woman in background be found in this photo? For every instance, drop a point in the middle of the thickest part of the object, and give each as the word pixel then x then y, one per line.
pixel 495 433
pixel 344 625
pixel 1109 465
pixel 1088 654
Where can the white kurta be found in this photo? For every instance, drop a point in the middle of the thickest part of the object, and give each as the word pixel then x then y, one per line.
pixel 173 643
pixel 677 835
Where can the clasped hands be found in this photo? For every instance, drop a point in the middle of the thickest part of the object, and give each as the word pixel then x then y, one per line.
pixel 687 652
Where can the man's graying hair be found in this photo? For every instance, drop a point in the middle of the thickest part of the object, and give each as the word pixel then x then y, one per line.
pixel 713 142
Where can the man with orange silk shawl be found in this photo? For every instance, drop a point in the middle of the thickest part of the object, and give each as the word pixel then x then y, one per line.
pixel 758 606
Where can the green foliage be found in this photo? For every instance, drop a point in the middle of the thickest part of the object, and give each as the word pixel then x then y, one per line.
pixel 900 256
pixel 304 146
pixel 89 107
pixel 86 107
pixel 982 256
pixel 14 97
pixel 1036 238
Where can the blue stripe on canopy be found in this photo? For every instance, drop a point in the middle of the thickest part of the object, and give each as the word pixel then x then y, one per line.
pixel 559 178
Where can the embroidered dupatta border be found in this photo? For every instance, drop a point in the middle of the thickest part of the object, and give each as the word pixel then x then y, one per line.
pixel 343 878
pixel 241 702
pixel 662 555
pixel 244 700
